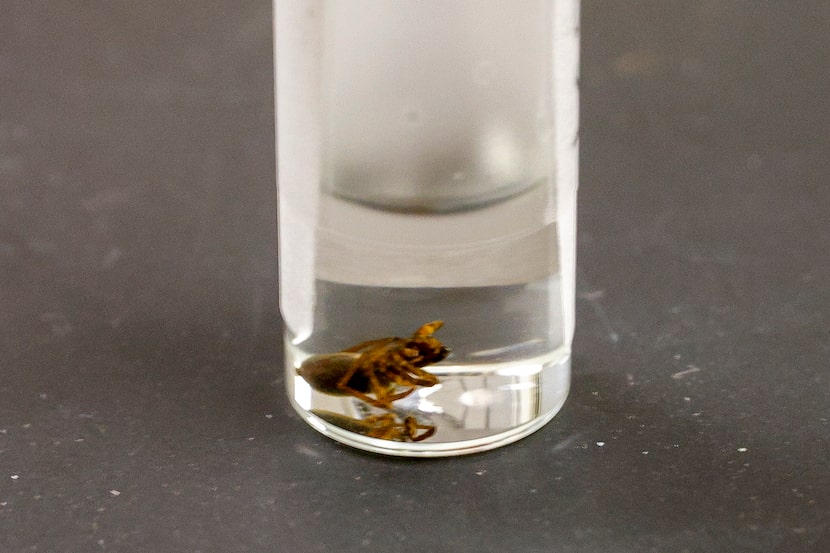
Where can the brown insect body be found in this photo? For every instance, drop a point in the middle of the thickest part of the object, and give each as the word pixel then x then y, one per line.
pixel 385 426
pixel 324 372
pixel 378 367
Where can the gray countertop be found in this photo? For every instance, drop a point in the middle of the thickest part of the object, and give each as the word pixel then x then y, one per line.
pixel 141 390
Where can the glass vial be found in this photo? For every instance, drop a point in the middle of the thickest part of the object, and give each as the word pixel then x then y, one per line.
pixel 427 176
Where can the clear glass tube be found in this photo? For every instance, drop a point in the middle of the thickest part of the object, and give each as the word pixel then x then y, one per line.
pixel 427 171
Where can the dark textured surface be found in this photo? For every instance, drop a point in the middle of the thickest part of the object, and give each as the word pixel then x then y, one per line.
pixel 141 401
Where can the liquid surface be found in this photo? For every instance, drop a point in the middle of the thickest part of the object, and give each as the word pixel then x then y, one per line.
pixel 513 241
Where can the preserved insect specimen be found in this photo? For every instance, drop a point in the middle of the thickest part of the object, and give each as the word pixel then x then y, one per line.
pixel 385 426
pixel 378 368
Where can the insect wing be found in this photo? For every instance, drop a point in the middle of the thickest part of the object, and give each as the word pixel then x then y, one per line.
pixel 370 345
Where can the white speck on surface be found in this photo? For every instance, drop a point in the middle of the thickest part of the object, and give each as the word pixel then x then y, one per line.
pixel 14 476
pixel 481 472
pixel 78 440
pixel 742 449
pixel 112 257
pixel 564 444
pixel 58 323
pixel 3 503
pixel 3 431
pixel 690 369
pixel 644 452
pixel 593 300
pixel 696 414
pixel 677 357
pixel 600 444
pixel 115 493
pixel 27 425
pixel 250 438
pixel 269 416
pixel 593 295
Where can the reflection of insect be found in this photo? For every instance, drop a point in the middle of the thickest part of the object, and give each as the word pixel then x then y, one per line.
pixel 378 367
pixel 385 426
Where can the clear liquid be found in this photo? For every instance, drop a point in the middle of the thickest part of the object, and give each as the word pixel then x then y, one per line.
pixel 505 376
pixel 508 371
